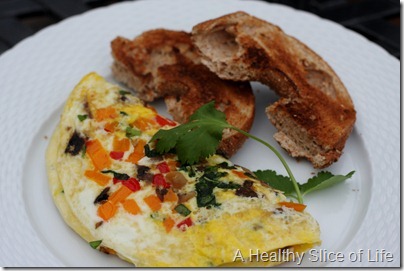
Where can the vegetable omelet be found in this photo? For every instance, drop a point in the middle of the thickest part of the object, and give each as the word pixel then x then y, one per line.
pixel 115 191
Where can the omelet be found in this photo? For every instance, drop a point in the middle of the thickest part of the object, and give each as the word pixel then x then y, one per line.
pixel 123 198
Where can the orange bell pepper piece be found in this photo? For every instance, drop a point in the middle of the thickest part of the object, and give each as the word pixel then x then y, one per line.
pixel 110 126
pixel 239 174
pixel 168 224
pixel 138 152
pixel 153 202
pixel 107 210
pixel 105 113
pixel 99 156
pixel 297 206
pixel 171 196
pixel 144 124
pixel 121 145
pixel 131 207
pixel 120 195
pixel 97 177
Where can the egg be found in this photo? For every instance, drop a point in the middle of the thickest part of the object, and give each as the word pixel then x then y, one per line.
pixel 151 210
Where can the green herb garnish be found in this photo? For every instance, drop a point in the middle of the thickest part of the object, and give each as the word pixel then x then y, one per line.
pixel 117 175
pixel 82 117
pixel 182 210
pixel 200 137
pixel 83 151
pixel 130 132
pixel 95 244
pixel 123 92
pixel 123 113
pixel 322 180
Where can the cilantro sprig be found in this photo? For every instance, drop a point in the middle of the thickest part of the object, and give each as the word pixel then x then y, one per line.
pixel 200 137
pixel 322 180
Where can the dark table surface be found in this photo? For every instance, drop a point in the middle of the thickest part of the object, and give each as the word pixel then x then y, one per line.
pixel 377 20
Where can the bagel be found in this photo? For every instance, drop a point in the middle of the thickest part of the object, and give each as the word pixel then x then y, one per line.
pixel 314 115
pixel 164 63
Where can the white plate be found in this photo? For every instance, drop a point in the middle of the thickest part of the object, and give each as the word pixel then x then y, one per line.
pixel 38 74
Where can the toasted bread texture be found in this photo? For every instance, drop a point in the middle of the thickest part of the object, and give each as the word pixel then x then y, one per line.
pixel 164 63
pixel 136 62
pixel 315 113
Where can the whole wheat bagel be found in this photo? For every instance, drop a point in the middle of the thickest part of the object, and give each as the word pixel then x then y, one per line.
pixel 315 113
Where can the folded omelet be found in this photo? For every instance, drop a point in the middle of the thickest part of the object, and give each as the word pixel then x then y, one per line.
pixel 117 193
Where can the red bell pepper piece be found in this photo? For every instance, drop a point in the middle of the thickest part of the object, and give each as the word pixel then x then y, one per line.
pixel 163 121
pixel 132 184
pixel 116 155
pixel 159 180
pixel 163 167
pixel 184 224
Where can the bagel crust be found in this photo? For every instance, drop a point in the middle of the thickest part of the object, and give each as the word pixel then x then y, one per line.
pixel 315 113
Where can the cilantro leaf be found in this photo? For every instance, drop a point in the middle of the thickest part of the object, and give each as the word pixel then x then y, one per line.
pixel 324 179
pixel 205 127
pixel 276 181
pixel 200 137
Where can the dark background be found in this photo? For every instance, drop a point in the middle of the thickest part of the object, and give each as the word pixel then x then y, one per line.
pixel 377 20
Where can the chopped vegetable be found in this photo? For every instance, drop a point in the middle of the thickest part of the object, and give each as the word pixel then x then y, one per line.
pixel 168 224
pixel 75 144
pixel 131 132
pixel 184 224
pixel 186 196
pixel 117 175
pixel 116 155
pixel 82 117
pixel 297 206
pixel 246 190
pixel 105 113
pixel 163 121
pixel 98 154
pixel 138 152
pixel 160 181
pixel 107 210
pixel 176 179
pixel 131 207
pixel 103 196
pixel 144 124
pixel 153 202
pixel 132 184
pixel 163 167
pixel 124 92
pixel 240 174
pixel 110 127
pixel 123 113
pixel 97 177
pixel 95 244
pixel 171 196
pixel 182 210
pixel 120 195
pixel 120 145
